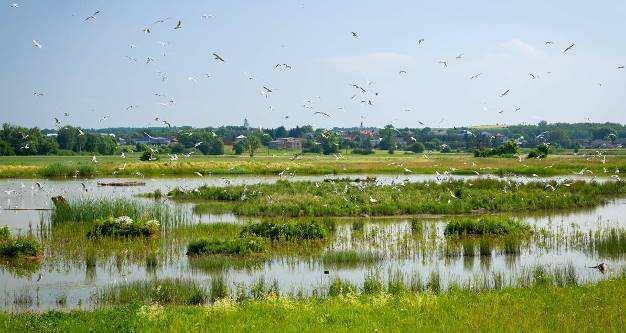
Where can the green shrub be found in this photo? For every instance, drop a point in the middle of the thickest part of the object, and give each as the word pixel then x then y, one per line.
pixel 509 149
pixel 149 155
pixel 238 246
pixel 124 226
pixel 290 231
pixel 17 246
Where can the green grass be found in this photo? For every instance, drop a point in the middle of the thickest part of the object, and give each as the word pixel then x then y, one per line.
pixel 486 226
pixel 220 262
pixel 350 259
pixel 305 198
pixel 309 164
pixel 597 307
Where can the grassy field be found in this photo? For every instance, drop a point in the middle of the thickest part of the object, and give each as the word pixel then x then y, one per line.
pixel 281 162
pixel 305 198
pixel 596 307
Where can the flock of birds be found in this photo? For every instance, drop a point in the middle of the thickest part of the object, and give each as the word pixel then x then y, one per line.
pixel 365 94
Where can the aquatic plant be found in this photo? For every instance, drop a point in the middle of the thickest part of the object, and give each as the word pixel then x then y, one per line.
pixel 486 226
pixel 237 246
pixel 290 231
pixel 124 226
pixel 168 291
pixel 350 258
pixel 89 211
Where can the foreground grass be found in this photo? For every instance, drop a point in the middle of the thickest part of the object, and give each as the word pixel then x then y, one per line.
pixel 454 197
pixel 308 164
pixel 540 308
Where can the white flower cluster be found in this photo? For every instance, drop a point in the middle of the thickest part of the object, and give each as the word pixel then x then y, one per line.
pixel 124 220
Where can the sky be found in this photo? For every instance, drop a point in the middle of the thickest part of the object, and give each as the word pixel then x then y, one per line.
pixel 87 74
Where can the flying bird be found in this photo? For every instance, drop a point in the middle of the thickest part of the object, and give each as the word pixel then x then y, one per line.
pixel 178 25
pixel 568 48
pixel 475 76
pixel 460 56
pixel 505 93
pixel 322 113
pixel 620 67
pixel 218 57
pixel 92 17
pixel 444 62
pixel 354 34
pixel 549 43
pixel 36 44
pixel 420 41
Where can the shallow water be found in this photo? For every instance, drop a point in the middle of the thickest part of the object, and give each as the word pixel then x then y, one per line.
pixel 74 280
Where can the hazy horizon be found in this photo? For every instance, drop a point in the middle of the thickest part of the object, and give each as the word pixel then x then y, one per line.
pixel 82 66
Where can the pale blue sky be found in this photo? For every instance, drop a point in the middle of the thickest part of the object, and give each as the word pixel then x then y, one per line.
pixel 82 67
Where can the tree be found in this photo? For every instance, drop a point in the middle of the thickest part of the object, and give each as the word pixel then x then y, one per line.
pixel 6 149
pixel 388 135
pixel 329 142
pixel 252 143
pixel 238 147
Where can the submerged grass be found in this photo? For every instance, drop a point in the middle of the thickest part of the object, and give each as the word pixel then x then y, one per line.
pixel 350 259
pixel 170 291
pixel 306 198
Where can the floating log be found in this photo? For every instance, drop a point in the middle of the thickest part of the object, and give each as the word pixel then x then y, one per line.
pixel 129 183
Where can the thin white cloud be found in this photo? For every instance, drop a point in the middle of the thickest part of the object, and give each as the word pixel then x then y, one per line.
pixel 371 62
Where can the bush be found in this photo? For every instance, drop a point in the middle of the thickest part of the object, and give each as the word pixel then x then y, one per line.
pixel 541 151
pixel 239 246
pixel 508 149
pixel 124 226
pixel 362 151
pixel 417 147
pixel 300 230
pixel 149 155
pixel 12 247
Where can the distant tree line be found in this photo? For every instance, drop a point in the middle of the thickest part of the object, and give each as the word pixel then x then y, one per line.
pixel 483 141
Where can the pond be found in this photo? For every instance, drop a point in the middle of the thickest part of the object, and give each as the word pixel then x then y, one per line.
pixel 70 273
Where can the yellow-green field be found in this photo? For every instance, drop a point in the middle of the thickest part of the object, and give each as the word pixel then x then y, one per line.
pixel 273 163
